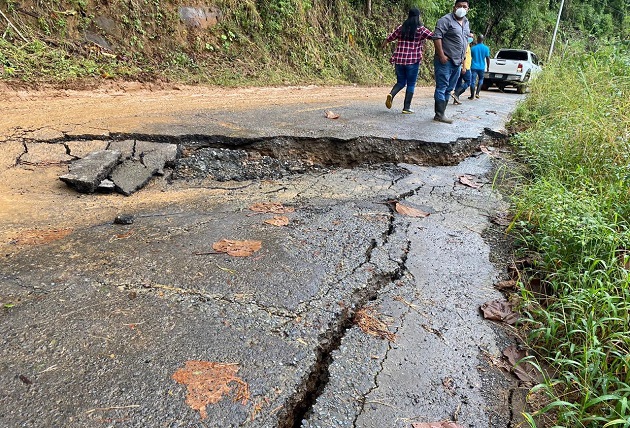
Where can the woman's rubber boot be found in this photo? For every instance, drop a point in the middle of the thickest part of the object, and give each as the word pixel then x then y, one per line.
pixel 391 95
pixel 407 105
pixel 440 108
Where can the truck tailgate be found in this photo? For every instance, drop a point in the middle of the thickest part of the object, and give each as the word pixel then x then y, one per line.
pixel 506 66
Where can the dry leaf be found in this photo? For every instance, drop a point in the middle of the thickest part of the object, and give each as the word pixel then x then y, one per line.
pixel 367 320
pixel 410 212
pixel 443 424
pixel 237 248
pixel 208 382
pixel 278 220
pixel 499 310
pixel 330 115
pixel 506 285
pixel 271 207
pixel 468 180
pixel 522 369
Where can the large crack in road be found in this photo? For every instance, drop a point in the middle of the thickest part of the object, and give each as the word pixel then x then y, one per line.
pixel 344 190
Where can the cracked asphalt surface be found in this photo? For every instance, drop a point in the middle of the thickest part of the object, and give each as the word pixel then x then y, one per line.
pixel 96 317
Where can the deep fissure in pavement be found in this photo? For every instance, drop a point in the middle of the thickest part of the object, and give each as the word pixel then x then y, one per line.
pixel 300 405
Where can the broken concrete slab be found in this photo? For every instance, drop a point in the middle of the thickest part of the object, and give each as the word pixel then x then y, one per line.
pixel 131 176
pixel 125 147
pixel 81 149
pixel 86 174
pixel 156 155
pixel 44 154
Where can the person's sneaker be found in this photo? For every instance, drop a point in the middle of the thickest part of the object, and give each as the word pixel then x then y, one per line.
pixel 388 101
pixel 408 111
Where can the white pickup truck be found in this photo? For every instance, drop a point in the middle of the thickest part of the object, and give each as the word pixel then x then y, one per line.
pixel 511 67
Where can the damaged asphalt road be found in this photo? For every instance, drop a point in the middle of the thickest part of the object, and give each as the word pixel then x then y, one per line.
pixel 98 317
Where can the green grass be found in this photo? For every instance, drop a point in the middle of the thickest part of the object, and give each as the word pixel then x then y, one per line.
pixel 573 220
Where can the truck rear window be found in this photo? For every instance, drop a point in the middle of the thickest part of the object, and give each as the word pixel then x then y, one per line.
pixel 516 55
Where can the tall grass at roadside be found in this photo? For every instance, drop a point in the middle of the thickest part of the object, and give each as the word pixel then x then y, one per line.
pixel 573 219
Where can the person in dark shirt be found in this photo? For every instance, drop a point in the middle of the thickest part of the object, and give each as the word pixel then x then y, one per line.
pixel 450 38
pixel 410 37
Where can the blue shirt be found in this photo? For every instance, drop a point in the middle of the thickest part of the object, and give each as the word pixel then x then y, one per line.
pixel 479 53
pixel 454 37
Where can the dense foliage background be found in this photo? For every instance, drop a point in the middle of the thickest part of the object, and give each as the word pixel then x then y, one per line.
pixel 262 41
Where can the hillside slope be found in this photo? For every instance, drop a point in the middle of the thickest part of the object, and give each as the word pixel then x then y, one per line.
pixel 226 42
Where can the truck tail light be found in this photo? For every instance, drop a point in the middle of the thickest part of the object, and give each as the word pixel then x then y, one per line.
pixel 519 68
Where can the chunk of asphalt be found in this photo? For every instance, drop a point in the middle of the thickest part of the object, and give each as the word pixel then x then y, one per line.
pixel 125 147
pixel 131 176
pixel 156 154
pixel 124 219
pixel 87 173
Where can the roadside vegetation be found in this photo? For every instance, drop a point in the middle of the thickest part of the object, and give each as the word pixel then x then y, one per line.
pixel 573 223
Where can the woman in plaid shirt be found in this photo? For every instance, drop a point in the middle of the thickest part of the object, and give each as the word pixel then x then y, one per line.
pixel 410 37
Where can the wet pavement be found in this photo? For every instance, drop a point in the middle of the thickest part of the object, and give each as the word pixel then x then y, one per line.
pixel 96 322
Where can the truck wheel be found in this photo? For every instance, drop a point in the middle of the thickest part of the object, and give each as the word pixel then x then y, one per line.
pixel 522 88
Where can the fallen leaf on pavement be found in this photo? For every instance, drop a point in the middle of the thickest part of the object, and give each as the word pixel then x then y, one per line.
pixel 208 382
pixel 444 424
pixel 499 310
pixel 271 207
pixel 237 248
pixel 367 320
pixel 468 180
pixel 523 370
pixel 330 115
pixel 410 212
pixel 278 220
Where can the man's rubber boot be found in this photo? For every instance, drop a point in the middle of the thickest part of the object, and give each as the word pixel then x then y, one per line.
pixel 407 105
pixel 472 92
pixel 440 108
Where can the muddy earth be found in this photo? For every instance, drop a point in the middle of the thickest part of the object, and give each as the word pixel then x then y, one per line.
pixel 365 245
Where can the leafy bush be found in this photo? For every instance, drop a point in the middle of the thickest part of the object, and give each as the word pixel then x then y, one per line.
pixel 575 215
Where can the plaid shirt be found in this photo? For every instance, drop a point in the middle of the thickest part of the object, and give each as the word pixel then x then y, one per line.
pixel 407 51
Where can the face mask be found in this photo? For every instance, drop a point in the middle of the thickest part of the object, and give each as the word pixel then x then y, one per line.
pixel 470 40
pixel 460 13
